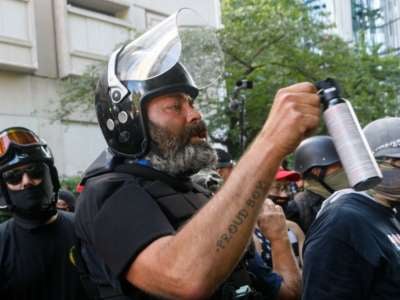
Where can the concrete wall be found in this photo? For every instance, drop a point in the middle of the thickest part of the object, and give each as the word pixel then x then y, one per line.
pixel 387 32
pixel 51 36
pixel 341 16
pixel 391 11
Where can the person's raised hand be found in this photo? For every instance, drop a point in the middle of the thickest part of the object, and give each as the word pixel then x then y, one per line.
pixel 295 113
pixel 272 221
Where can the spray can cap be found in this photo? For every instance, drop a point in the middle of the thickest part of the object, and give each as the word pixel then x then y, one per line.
pixel 329 92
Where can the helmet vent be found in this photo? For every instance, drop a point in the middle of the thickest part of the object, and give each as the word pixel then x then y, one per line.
pixel 116 95
pixel 110 125
pixel 123 117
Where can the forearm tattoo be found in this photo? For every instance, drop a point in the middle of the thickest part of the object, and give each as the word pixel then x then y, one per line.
pixel 240 217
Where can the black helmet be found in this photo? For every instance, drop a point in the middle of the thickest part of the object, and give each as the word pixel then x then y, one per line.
pixel 156 63
pixel 120 105
pixel 19 146
pixel 383 136
pixel 316 151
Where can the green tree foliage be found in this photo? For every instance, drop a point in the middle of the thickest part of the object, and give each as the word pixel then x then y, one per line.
pixel 277 43
pixel 77 92
pixel 70 183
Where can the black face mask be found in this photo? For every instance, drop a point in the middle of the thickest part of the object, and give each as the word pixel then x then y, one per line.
pixel 389 188
pixel 36 202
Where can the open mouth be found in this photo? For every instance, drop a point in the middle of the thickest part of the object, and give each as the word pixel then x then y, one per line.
pixel 199 137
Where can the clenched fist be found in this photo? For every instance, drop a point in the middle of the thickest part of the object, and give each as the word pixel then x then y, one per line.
pixel 272 221
pixel 295 113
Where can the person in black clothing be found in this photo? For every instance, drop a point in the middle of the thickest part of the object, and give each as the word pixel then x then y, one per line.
pixel 352 250
pixel 35 242
pixel 66 201
pixel 318 162
pixel 5 213
pixel 145 230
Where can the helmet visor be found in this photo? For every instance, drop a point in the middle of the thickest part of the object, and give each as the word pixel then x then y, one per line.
pixel 17 136
pixel 184 38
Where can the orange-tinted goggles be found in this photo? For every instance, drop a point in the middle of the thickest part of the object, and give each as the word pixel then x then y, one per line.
pixel 18 136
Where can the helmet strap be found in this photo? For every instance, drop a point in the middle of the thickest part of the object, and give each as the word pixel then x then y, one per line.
pixel 320 178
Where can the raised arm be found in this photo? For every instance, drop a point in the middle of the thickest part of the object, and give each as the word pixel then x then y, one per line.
pixel 272 224
pixel 192 263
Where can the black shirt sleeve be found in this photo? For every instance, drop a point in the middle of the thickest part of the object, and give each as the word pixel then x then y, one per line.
pixel 128 221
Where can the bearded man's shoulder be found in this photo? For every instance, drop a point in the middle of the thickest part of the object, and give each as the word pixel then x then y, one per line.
pixel 102 193
pixel 104 185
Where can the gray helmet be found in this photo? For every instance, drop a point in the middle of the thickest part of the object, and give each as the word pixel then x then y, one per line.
pixel 383 136
pixel 316 151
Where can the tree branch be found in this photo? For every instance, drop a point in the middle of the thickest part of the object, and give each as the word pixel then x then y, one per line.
pixel 264 47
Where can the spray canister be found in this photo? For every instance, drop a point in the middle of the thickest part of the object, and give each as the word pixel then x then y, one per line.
pixel 351 145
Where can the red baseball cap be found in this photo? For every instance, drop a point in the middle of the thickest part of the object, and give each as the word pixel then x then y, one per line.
pixel 289 175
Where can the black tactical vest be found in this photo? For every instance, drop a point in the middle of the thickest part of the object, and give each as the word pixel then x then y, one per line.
pixel 179 199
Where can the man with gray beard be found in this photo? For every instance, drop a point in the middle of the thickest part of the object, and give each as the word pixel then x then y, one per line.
pixel 145 231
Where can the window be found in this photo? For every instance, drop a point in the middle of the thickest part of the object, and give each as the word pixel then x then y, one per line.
pixel 115 8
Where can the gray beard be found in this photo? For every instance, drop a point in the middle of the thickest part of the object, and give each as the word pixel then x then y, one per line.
pixel 175 155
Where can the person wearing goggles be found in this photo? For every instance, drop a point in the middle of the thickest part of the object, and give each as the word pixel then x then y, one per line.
pixel 35 242
pixel 352 250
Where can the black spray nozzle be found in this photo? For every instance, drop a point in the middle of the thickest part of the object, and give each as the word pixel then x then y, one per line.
pixel 328 90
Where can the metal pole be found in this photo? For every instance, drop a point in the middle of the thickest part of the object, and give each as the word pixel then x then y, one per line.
pixel 241 122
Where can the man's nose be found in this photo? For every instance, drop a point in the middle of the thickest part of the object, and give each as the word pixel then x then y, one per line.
pixel 192 114
pixel 26 181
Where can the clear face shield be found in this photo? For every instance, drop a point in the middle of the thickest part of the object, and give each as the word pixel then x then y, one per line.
pixel 183 38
